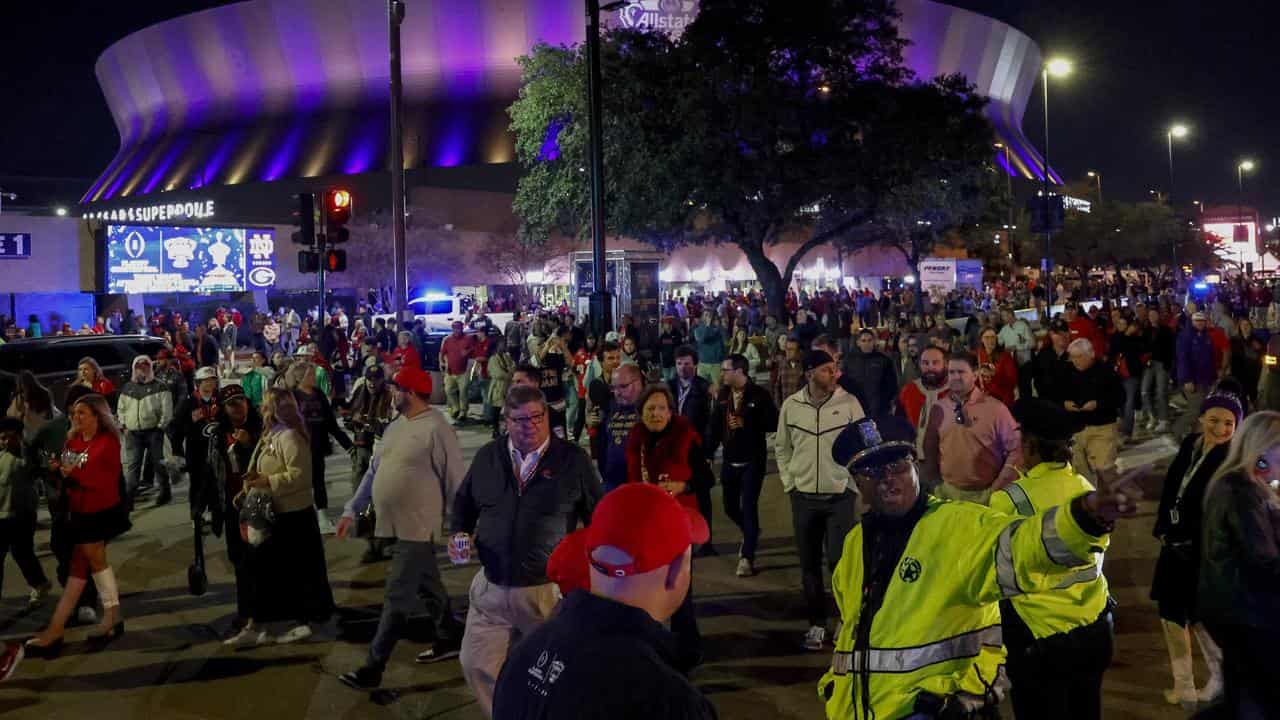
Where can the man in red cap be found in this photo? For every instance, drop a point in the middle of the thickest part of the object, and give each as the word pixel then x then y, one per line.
pixel 605 654
pixel 413 477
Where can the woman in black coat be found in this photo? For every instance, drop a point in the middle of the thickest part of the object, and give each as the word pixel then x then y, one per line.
pixel 1178 528
pixel 322 424
pixel 1239 591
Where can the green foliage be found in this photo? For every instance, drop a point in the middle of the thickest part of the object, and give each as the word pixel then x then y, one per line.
pixel 1121 234
pixel 759 123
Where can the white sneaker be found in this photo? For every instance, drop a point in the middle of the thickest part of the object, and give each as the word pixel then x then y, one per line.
pixel 297 634
pixel 814 638
pixel 1162 427
pixel 243 637
pixel 37 596
pixel 87 616
pixel 745 568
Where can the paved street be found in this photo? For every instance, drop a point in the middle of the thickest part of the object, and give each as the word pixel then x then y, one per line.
pixel 170 663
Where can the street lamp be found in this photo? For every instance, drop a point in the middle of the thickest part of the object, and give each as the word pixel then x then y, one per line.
pixel 1179 131
pixel 1059 68
pixel 1244 166
pixel 1097 178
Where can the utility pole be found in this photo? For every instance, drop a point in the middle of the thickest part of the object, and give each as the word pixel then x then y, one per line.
pixel 600 304
pixel 395 16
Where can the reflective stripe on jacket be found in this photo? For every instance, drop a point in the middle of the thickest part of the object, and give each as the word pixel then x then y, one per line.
pixel 938 629
pixel 1081 596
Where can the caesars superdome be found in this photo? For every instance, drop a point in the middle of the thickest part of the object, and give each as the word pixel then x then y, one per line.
pixel 254 99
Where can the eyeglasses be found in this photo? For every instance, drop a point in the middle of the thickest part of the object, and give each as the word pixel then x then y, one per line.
pixel 878 473
pixel 528 420
pixel 960 418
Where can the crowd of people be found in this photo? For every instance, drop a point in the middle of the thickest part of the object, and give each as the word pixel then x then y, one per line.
pixel 957 417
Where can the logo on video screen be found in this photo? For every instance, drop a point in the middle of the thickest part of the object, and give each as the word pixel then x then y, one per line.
pixel 135 245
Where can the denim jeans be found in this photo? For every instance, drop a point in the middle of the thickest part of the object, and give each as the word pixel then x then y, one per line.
pixel 151 444
pixel 1155 391
pixel 1130 385
pixel 742 487
pixel 414 575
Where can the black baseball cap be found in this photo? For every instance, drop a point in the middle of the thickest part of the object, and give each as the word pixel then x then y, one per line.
pixel 816 359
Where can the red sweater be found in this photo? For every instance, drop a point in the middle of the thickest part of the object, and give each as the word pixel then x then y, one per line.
pixel 95 485
pixel 669 456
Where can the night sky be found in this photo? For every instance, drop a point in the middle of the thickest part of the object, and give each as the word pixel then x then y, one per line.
pixel 1139 67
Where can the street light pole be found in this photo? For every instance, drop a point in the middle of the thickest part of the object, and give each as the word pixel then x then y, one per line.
pixel 1058 67
pixel 600 304
pixel 1047 264
pixel 1097 178
pixel 399 304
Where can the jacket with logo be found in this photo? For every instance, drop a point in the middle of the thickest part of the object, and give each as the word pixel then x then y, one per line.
pixel 806 432
pixel 145 406
pixel 932 624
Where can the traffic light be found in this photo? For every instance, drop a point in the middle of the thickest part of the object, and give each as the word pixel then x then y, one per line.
pixel 306 215
pixel 337 213
pixel 335 260
pixel 308 261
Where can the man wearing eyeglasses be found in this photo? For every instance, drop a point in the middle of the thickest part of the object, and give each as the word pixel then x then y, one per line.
pixel 616 422
pixel 521 496
pixel 919 580
pixel 971 443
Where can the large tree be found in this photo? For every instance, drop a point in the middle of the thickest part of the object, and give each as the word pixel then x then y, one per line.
pixel 761 123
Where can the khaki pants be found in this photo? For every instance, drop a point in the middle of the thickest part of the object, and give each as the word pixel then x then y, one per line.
pixel 499 616
pixel 1095 450
pixel 951 492
pixel 455 394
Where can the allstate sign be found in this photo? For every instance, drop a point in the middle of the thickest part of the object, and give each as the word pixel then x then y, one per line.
pixel 671 16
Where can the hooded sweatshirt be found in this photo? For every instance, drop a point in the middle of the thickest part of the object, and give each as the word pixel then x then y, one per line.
pixel 145 403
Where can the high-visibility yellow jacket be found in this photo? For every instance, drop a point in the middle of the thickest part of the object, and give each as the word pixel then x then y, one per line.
pixel 1081 597
pixel 938 628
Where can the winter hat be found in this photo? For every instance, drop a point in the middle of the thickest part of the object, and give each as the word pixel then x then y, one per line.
pixel 1223 400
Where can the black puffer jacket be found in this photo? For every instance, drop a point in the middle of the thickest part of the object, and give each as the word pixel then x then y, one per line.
pixel 515 532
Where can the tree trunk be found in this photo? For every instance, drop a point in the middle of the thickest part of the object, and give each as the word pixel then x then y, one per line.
pixel 771 279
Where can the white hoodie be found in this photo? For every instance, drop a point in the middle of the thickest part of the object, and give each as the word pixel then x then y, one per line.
pixel 144 404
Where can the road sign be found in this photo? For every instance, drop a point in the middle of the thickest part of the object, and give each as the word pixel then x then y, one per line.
pixel 15 246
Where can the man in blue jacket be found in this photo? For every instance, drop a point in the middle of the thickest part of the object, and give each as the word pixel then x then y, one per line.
pixel 1197 370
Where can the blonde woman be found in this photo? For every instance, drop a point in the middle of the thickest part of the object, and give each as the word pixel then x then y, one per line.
pixel 1239 588
pixel 288 569
pixel 91 471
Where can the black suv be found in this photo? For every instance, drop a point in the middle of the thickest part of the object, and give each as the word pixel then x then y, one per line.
pixel 55 360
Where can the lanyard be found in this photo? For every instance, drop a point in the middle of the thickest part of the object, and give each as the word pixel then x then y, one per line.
pixel 1186 478
pixel 684 395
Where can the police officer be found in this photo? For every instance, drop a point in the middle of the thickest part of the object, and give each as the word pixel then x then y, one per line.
pixel 1059 642
pixel 919 580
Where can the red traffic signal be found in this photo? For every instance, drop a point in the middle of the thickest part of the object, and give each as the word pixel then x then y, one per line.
pixel 337 207
pixel 335 261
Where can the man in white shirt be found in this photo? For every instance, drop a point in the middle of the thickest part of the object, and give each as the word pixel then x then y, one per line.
pixel 414 475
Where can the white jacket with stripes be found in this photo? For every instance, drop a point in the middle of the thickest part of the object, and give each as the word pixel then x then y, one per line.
pixel 806 433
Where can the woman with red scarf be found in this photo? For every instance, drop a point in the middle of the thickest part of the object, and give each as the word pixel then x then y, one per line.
pixel 664 450
pixel 91 471
pixel 997 372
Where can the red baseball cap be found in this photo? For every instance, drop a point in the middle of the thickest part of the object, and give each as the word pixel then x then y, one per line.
pixel 643 521
pixel 413 379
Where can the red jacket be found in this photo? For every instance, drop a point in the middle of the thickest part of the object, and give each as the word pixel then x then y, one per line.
pixel 670 456
pixel 1005 381
pixel 911 400
pixel 95 486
